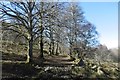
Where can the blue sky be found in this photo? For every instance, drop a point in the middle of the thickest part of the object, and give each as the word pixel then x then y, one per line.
pixel 104 15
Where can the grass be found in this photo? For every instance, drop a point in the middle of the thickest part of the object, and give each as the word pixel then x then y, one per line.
pixel 14 66
pixel 13 57
pixel 35 71
pixel 17 70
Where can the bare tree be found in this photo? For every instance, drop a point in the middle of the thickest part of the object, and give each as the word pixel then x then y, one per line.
pixel 73 18
pixel 20 17
pixel 51 23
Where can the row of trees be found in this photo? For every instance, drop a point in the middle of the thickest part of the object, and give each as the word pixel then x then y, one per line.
pixel 58 25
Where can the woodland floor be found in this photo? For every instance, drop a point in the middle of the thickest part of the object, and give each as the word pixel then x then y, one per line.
pixel 53 68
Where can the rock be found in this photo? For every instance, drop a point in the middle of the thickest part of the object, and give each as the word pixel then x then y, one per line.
pixel 99 71
pixel 48 68
pixel 81 63
pixel 72 59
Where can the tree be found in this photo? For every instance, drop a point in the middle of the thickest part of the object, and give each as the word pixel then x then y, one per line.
pixel 31 20
pixel 88 39
pixel 20 17
pixel 60 25
pixel 73 18
pixel 80 33
pixel 51 23
pixel 102 54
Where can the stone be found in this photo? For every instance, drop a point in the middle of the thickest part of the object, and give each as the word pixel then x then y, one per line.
pixel 81 63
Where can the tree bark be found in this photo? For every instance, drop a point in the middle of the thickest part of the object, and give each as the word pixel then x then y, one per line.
pixel 53 47
pixel 70 50
pixel 50 49
pixel 60 50
pixel 41 48
pixel 57 49
pixel 41 32
pixel 30 51
pixel 41 44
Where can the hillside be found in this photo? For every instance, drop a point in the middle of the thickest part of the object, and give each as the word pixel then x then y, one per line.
pixel 56 67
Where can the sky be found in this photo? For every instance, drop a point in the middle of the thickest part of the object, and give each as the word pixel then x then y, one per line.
pixel 104 15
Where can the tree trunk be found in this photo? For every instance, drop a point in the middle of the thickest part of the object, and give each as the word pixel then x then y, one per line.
pixel 41 32
pixel 57 49
pixel 60 50
pixel 41 48
pixel 71 50
pixel 50 49
pixel 30 53
pixel 53 47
